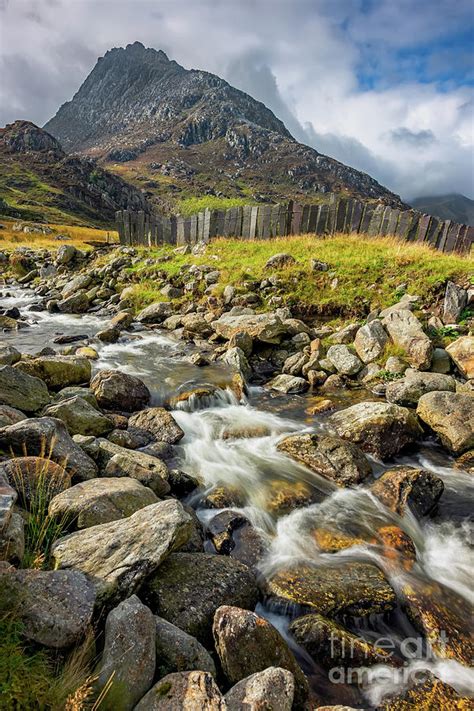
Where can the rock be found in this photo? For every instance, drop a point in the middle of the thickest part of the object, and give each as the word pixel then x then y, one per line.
pixel 407 487
pixel 343 360
pixel 236 360
pixel 289 384
pixel 295 363
pixel 57 371
pixel 46 435
pixel 441 362
pixel 22 391
pixel 284 496
pixel 10 415
pixel 247 643
pixel 36 479
pixel 147 470
pixel 406 303
pixel 272 689
pixel 12 538
pixel 191 690
pixel 74 391
pixel 279 260
pixel 395 365
pixel 8 496
pixel 155 313
pixel 266 328
pixel 189 587
pixel 461 352
pixel 121 320
pixel 222 497
pixel 380 428
pixel 66 254
pixel 8 354
pixel 108 335
pixel 370 341
pixel 196 325
pixel 120 555
pixel 406 332
pixel 98 501
pixel 455 300
pixel 129 653
pixel 451 417
pixel 115 390
pixel 177 651
pixel 330 457
pixel 158 423
pixel 415 384
pixel 78 303
pixel 55 606
pixel 425 695
pixel 81 281
pixel 171 292
pixel 80 417
pixel 317 266
pixel 335 590
pixel 232 534
pixel 7 323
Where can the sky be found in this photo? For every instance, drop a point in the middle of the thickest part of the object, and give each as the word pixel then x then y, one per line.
pixel 386 86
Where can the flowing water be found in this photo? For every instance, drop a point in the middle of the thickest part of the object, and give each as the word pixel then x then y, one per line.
pixel 230 442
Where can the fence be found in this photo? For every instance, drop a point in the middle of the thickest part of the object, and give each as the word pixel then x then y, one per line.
pixel 339 214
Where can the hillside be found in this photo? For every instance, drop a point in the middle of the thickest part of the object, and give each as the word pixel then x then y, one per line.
pixel 458 208
pixel 186 133
pixel 38 181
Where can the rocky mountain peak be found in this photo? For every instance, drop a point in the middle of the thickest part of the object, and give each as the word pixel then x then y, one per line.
pixel 26 137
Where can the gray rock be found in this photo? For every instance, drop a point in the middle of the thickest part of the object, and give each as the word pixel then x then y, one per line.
pixel 395 365
pixel 22 391
pixel 406 332
pixel 8 354
pixel 370 341
pixel 118 391
pixel 177 651
pixel 8 496
pixel 155 313
pixel 343 360
pixel 415 384
pixel 10 415
pixel 272 689
pixel 171 292
pixel 196 325
pixel 36 479
pixel 12 538
pixel 76 391
pixel 289 384
pixel 345 335
pixel 57 371
pixel 81 281
pixel 455 300
pixel 266 328
pixel 279 260
pixel 441 362
pixel 192 690
pixel 158 423
pixel 235 358
pixel 80 417
pixel 66 254
pixel 295 363
pixel 146 469
pixel 451 417
pixel 78 303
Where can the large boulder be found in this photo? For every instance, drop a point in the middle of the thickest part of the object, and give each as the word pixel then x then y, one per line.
pixel 267 328
pixel 272 689
pixel 36 479
pixel 128 659
pixel 406 487
pixel 81 281
pixel 461 351
pixel 77 303
pixel 345 362
pixel 247 643
pixel 97 501
pixel 155 313
pixel 189 587
pixel 80 417
pixel 178 651
pixel 149 471
pixel 330 457
pixel 406 332
pixel 158 423
pixel 115 390
pixel 451 416
pixel 380 428
pixel 21 391
pixel 409 389
pixel 57 371
pixel 370 341
pixel 47 436
pixel 120 555
pixel 184 691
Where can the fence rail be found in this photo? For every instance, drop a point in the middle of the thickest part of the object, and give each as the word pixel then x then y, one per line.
pixel 339 214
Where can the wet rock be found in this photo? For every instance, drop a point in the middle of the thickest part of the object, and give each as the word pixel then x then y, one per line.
pixel 41 435
pixel 284 496
pixel 380 428
pixel 121 320
pixel 232 534
pixel 21 391
pixel 345 362
pixel 406 487
pixel 36 479
pixel 289 384
pixel 78 303
pixel 183 690
pixel 177 651
pixel 87 352
pixel 118 391
pixel 8 354
pixel 455 300
pixel 356 589
pixel 461 353
pixel 80 417
pixel 12 538
pixel 330 457
pixel 272 688
pixel 466 461
pixel 7 323
pixel 266 328
pixel 189 587
pixel 425 695
pixel 279 260
pixel 129 653
pixel 408 391
pixel 158 423
pixel 406 332
pixel 57 371
pixel 149 471
pixel 97 501
pixel 10 415
pixel 370 341
pixel 247 644
pixel 222 497
pixel 120 555
pixel 235 358
pixel 155 313
pixel 451 417
pixel 108 335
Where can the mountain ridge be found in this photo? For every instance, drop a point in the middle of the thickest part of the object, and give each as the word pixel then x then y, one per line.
pixel 452 206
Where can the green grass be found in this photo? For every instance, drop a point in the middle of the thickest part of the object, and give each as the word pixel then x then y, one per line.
pixel 192 205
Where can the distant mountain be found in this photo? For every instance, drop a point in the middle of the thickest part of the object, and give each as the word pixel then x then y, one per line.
pixel 181 133
pixel 458 208
pixel 39 181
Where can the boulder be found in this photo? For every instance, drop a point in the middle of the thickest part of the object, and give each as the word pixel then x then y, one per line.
pixel 451 417
pixel 41 436
pixel 36 479
pixel 128 659
pixel 8 354
pixel 57 371
pixel 66 254
pixel 406 332
pixel 8 496
pixel 370 341
pixel 7 323
pixel 196 325
pixel 22 391
pixel 236 359
pixel 12 538
pixel 233 534
pixel 461 352
pixel 108 335
pixel 177 651
pixel 272 689
pixel 121 320
pixel 289 384
pixel 345 362
pixel 441 362
pixel 424 695
pixel 295 363
pixel 247 644
pixel 331 457
pixel 184 691
pixel 380 428
pixel 266 328
pixel 97 501
pixel 120 555
pixel 149 471
pixel 10 415
pixel 346 334
pixel 77 303
pixel 155 313
pixel 284 496
pixel 409 389
pixel 279 260
pixel 80 417
pixel 189 587
pixel 406 487
pixel 115 390
pixel 81 281
pixel 158 423
pixel 455 300
pixel 75 391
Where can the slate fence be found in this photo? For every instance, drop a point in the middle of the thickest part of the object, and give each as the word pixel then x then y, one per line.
pixel 339 214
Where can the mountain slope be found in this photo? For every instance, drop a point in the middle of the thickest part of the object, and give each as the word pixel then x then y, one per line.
pixel 39 181
pixel 458 208
pixel 180 132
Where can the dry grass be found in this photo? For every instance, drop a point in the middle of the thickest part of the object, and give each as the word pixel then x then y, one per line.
pixel 79 236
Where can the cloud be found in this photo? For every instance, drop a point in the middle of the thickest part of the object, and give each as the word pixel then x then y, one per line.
pixel 382 86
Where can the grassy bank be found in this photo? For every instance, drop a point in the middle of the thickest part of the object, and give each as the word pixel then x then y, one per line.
pixel 78 236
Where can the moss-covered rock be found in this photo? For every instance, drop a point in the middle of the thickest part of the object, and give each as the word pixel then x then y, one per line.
pixel 80 417
pixel 57 371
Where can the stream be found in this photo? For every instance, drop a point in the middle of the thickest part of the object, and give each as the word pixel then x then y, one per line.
pixel 218 450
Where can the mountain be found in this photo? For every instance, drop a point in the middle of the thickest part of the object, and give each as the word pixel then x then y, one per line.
pixel 458 208
pixel 39 181
pixel 181 133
